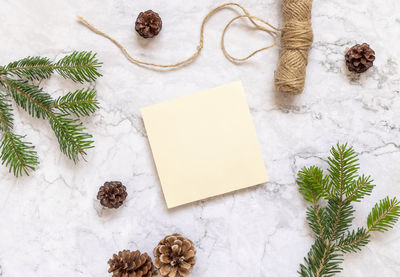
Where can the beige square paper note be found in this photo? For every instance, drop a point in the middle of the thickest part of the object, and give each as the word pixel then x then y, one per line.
pixel 204 144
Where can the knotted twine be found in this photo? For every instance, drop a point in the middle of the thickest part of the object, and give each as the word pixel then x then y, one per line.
pixel 296 36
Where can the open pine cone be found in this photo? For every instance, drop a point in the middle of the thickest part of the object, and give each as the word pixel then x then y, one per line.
pixel 174 256
pixel 112 194
pixel 359 58
pixel 148 24
pixel 131 264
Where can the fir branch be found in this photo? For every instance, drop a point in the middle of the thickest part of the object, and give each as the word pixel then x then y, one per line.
pixel 359 189
pixel 316 219
pixel 17 154
pixel 80 102
pixel 322 260
pixel 339 217
pixel 71 137
pixel 14 152
pixel 6 117
pixel 353 241
pixel 30 97
pixel 79 67
pixel 313 185
pixel 343 167
pixel 69 132
pixel 331 223
pixel 382 218
pixel 384 215
pixel 31 68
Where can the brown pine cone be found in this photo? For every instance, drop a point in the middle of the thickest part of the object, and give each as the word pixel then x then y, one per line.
pixel 148 24
pixel 359 58
pixel 131 264
pixel 112 194
pixel 174 256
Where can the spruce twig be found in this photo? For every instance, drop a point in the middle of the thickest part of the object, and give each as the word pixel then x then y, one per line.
pixel 331 223
pixel 79 103
pixel 29 97
pixel 14 152
pixel 80 67
pixel 71 135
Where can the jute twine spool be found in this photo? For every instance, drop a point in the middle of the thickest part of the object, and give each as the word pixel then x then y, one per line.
pixel 296 33
pixel 297 38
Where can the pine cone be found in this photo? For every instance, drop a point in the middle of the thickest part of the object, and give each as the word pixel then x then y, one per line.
pixel 131 264
pixel 359 58
pixel 148 24
pixel 174 256
pixel 112 194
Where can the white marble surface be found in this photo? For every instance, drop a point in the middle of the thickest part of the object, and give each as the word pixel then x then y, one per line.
pixel 50 222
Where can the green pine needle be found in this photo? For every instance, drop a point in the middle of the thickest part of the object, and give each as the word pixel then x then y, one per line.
pixel 353 241
pixel 343 167
pixel 360 188
pixel 29 97
pixel 316 219
pixel 6 117
pixel 80 67
pixel 339 217
pixel 31 68
pixel 313 185
pixel 321 261
pixel 15 153
pixel 331 222
pixel 384 215
pixel 79 103
pixel 71 137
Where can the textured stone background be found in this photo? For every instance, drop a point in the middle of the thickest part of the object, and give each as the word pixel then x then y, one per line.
pixel 51 224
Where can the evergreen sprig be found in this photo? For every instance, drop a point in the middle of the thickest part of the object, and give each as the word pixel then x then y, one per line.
pixel 29 97
pixel 80 102
pixel 31 68
pixel 19 155
pixel 78 66
pixel 332 221
pixel 71 135
pixel 62 113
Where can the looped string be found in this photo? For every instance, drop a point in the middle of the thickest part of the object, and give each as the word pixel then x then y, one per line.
pixel 274 33
pixel 268 28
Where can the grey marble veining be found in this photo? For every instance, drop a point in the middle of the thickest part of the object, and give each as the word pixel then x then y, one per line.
pixel 51 223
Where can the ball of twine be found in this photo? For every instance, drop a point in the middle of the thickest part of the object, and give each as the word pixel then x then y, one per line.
pixel 296 39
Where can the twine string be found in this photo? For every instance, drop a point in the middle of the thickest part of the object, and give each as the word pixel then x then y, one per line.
pixel 296 36
pixel 272 33
pixel 268 28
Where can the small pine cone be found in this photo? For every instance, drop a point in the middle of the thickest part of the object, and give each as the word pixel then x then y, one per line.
pixel 112 194
pixel 174 256
pixel 131 264
pixel 148 24
pixel 359 58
